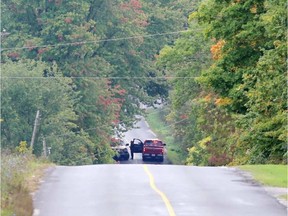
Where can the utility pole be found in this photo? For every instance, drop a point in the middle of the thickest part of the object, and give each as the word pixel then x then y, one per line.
pixel 35 129
pixel 44 148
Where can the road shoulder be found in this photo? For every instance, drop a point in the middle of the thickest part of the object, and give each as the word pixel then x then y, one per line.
pixel 278 193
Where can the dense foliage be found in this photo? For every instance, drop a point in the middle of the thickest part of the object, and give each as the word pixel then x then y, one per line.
pixel 85 65
pixel 236 109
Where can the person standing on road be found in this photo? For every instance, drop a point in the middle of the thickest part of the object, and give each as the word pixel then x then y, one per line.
pixel 132 148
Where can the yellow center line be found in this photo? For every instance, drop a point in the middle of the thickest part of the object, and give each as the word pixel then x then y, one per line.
pixel 163 196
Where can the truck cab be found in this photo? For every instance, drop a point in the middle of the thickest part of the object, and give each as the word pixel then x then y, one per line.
pixel 153 149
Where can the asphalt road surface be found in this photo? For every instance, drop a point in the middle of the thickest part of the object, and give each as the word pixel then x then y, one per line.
pixel 136 189
pixel 142 131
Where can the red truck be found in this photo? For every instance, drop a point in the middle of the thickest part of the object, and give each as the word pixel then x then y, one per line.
pixel 153 149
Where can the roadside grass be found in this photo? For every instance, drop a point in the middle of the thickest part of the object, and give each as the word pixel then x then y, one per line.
pixel 268 174
pixel 156 121
pixel 20 174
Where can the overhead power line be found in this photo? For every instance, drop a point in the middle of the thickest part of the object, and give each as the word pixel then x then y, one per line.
pixel 100 78
pixel 88 129
pixel 96 41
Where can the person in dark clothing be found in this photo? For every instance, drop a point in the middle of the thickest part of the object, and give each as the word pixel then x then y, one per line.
pixel 132 149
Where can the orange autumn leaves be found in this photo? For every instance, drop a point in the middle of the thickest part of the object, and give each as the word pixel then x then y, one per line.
pixel 218 101
pixel 216 50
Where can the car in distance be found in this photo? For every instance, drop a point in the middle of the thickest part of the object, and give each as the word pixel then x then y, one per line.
pixel 120 150
pixel 153 149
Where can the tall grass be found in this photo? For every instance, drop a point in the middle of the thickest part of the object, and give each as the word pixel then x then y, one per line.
pixel 16 185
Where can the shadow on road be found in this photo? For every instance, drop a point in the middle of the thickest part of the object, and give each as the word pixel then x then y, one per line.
pixel 138 160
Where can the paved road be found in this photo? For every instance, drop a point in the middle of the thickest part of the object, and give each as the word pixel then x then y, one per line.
pixel 151 190
pixel 154 190
pixel 142 131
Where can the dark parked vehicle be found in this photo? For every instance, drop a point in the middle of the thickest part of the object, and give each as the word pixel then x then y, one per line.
pixel 120 149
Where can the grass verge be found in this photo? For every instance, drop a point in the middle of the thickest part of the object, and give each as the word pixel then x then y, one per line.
pixel 20 174
pixel 157 123
pixel 268 174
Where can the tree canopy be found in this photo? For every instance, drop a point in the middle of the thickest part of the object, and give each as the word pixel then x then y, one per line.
pixel 239 105
pixel 86 65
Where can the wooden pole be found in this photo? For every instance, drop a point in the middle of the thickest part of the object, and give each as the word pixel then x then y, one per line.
pixel 34 129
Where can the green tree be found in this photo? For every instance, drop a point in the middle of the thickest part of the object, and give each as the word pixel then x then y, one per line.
pixel 60 27
pixel 238 101
pixel 183 62
pixel 249 70
pixel 265 125
pixel 110 73
pixel 24 91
